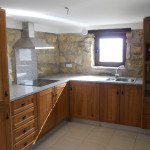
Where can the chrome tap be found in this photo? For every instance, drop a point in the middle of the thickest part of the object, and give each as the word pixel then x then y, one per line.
pixel 117 69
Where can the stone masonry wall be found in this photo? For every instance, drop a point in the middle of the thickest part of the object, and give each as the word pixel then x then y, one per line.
pixel 48 60
pixel 77 50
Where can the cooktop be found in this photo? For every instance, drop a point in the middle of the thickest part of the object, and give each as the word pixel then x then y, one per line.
pixel 37 82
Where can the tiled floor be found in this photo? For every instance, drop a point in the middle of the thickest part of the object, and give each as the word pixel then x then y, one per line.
pixel 80 136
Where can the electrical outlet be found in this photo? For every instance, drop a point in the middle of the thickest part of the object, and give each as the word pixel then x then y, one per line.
pixel 69 65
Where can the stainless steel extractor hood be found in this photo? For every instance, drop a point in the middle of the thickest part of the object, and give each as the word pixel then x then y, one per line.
pixel 28 40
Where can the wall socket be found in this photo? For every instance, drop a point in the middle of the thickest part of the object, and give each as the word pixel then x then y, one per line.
pixel 69 65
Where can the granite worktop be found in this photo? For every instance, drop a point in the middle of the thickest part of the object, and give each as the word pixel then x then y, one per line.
pixel 20 91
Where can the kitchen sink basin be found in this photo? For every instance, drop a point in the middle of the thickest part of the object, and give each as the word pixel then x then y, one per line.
pixel 122 79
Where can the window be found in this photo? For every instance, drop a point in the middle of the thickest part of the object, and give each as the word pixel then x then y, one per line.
pixel 110 47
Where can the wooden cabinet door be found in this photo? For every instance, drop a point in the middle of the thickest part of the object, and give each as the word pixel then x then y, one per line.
pixel 84 99
pixel 53 108
pixel 109 103
pixel 62 105
pixel 44 101
pixel 131 105
pixel 5 117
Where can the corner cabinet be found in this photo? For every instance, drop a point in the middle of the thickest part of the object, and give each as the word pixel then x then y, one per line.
pixel 84 100
pixel 5 117
pixel 53 108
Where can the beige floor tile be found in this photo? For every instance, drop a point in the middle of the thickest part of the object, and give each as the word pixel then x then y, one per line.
pixel 103 130
pixel 120 143
pixel 101 135
pixel 144 137
pixel 80 126
pixel 87 145
pixel 67 143
pixel 45 143
pixel 126 134
pixel 142 145
pixel 78 133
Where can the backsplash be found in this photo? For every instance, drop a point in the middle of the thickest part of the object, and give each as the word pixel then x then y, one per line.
pixel 77 50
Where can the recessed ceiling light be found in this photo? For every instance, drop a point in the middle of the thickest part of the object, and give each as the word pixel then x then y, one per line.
pixel 25 13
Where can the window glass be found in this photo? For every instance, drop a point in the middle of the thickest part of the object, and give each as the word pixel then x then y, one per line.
pixel 111 50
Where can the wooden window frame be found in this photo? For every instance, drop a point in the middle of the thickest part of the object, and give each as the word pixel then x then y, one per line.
pixel 109 33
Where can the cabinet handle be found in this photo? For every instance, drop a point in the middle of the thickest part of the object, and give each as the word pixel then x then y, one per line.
pixel 24 117
pixel 122 92
pixel 70 88
pixel 7 116
pixel 6 93
pixel 53 95
pixel 24 131
pixel 25 144
pixel 117 92
pixel 23 104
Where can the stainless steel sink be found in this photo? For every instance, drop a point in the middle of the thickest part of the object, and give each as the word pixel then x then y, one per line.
pixel 122 79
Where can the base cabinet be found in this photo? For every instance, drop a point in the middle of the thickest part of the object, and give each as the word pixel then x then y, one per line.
pixel 121 104
pixel 56 103
pixel 131 105
pixel 109 103
pixel 84 100
pixel 24 122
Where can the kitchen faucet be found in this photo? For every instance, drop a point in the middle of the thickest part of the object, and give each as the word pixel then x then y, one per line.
pixel 117 69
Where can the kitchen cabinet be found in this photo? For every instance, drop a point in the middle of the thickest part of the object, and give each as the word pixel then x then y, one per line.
pixel 84 100
pixel 109 103
pixel 56 104
pixel 5 117
pixel 121 104
pixel 24 122
pixel 130 105
pixel 146 75
pixel 45 104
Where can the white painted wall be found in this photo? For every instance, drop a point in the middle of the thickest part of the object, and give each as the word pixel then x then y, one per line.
pixel 14 24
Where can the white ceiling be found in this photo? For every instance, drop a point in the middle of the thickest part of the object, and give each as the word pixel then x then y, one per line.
pixel 82 12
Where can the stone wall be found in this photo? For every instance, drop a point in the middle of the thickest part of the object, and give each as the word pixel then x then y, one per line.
pixel 48 60
pixel 77 50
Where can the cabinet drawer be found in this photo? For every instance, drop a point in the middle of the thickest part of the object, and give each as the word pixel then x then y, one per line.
pixel 24 130
pixel 23 104
pixel 25 143
pixel 24 117
pixel 146 107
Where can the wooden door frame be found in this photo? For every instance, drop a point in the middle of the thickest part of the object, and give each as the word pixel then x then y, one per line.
pixel 5 80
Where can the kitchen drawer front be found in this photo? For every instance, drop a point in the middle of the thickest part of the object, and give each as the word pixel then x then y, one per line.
pixel 24 130
pixel 24 117
pixel 23 104
pixel 146 107
pixel 26 142
pixel 146 122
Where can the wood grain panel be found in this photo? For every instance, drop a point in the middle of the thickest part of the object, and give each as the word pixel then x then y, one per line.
pixel 131 105
pixel 23 104
pixel 84 99
pixel 109 103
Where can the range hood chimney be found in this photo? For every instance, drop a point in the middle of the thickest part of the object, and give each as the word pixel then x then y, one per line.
pixel 28 40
